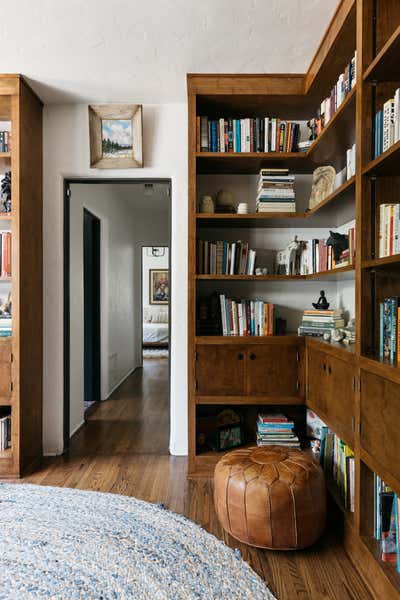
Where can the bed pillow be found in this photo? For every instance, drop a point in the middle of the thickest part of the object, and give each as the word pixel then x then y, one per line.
pixel 160 315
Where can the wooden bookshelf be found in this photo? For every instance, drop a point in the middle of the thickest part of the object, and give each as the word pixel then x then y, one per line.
pixel 357 395
pixel 21 362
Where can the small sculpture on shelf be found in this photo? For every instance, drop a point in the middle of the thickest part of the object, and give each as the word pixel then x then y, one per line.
pixel 322 185
pixel 225 202
pixel 288 260
pixel 322 303
pixel 6 306
pixel 339 242
pixel 207 204
pixel 5 193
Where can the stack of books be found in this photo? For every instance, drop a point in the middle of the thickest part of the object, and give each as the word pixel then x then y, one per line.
pixel 5 326
pixel 247 317
pixel 386 521
pixel 387 125
pixel 276 429
pixel 337 460
pixel 5 432
pixel 261 134
pixel 317 322
pixel 276 191
pixel 5 253
pixel 5 141
pixel 389 226
pixel 225 258
pixel 318 257
pixel 389 323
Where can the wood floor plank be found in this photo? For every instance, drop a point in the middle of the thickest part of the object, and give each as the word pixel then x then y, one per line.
pixel 123 449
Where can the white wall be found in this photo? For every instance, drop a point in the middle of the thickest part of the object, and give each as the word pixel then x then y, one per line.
pixel 151 262
pixel 66 154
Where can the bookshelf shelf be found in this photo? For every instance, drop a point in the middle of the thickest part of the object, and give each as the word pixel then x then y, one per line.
pixel 386 66
pixel 6 454
pixel 386 164
pixel 335 494
pixel 389 569
pixel 5 216
pixel 250 400
pixel 331 274
pixel 381 262
pixel 244 340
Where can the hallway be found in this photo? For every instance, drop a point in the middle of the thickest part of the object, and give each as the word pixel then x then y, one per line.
pixel 123 449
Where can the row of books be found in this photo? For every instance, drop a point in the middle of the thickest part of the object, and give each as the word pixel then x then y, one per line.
pixel 316 322
pixel 386 521
pixel 5 432
pixel 262 134
pixel 337 460
pixel 351 162
pixel 5 141
pixel 5 326
pixel 275 192
pixel 389 321
pixel 276 429
pixel 5 253
pixel 387 125
pixel 389 229
pixel 317 256
pixel 225 258
pixel 246 317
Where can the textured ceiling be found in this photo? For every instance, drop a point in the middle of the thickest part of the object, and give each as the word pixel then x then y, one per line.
pixel 131 50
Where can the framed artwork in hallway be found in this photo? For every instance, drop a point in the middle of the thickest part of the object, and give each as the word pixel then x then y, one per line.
pixel 159 286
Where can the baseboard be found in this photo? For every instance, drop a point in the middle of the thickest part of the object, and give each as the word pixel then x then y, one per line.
pixel 116 386
pixel 75 430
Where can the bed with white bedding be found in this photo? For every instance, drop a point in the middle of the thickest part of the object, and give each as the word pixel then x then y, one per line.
pixel 155 327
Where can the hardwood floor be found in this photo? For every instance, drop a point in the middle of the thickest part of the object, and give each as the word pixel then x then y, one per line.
pixel 123 449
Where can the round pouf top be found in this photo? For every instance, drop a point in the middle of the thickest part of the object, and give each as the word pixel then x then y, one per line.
pixel 271 497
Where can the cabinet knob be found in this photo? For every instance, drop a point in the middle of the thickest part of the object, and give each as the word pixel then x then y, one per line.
pixel 240 356
pixel 253 357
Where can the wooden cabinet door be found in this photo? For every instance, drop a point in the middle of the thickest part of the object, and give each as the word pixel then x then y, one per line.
pixel 380 420
pixel 5 370
pixel 317 379
pixel 220 370
pixel 272 370
pixel 340 396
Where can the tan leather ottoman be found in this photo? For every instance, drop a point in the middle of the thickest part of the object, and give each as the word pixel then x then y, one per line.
pixel 271 497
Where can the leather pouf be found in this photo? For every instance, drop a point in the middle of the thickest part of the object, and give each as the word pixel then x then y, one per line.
pixel 271 497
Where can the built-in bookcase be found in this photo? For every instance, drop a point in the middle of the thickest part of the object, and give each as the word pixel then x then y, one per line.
pixel 354 393
pixel 21 353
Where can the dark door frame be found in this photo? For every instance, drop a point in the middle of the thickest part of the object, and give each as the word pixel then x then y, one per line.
pixel 66 279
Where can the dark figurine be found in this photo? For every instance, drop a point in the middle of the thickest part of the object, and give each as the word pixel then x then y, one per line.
pixel 322 303
pixel 6 193
pixel 339 242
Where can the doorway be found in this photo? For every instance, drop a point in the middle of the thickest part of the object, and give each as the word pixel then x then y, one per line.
pixel 103 303
pixel 155 303
pixel 91 309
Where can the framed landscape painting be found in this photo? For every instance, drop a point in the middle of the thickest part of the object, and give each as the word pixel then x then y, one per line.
pixel 115 132
pixel 159 286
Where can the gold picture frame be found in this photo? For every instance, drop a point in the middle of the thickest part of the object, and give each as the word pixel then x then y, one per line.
pixel 159 286
pixel 116 136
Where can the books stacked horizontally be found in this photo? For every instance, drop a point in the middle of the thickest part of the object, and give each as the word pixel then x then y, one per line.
pixel 387 125
pixel 225 258
pixel 389 322
pixel 387 521
pixel 276 191
pixel 261 134
pixel 317 322
pixel 247 317
pixel 5 432
pixel 389 229
pixel 276 429
pixel 337 460
pixel 5 326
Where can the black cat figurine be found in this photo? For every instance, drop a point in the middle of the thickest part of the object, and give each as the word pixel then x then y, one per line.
pixel 339 242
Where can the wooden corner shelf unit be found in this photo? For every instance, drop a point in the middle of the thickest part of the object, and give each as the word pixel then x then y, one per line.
pixel 349 388
pixel 21 360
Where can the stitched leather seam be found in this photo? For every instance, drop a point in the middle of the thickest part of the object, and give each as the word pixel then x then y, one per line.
pixel 294 515
pixel 226 499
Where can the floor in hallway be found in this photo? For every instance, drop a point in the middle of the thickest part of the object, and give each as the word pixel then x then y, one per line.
pixel 123 449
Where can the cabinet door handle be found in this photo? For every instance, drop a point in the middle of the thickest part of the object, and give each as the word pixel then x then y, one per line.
pixel 240 356
pixel 253 357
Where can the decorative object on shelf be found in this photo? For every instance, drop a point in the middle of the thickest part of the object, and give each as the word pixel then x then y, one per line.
pixel 6 306
pixel 322 185
pixel 207 204
pixel 337 335
pixel 5 193
pixel 243 208
pixel 225 202
pixel 350 333
pixel 115 132
pixel 327 336
pixel 339 243
pixel 158 286
pixel 261 271
pixel 288 260
pixel 229 431
pixel 322 303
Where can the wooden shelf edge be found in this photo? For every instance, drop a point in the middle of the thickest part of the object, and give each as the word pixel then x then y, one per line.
pixel 379 469
pixel 380 262
pixel 380 368
pixel 289 338
pixel 370 72
pixel 275 277
pixel 250 400
pixel 378 162
pixel 388 569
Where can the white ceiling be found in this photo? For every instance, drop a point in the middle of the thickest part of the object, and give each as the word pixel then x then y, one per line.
pixel 140 51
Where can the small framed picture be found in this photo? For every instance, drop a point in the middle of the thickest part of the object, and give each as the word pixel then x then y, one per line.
pixel 115 133
pixel 159 286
